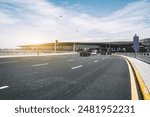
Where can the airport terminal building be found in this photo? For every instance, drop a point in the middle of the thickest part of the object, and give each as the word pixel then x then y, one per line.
pixel 122 46
pixel 146 43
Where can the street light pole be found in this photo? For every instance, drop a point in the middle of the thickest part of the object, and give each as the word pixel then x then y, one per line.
pixel 58 18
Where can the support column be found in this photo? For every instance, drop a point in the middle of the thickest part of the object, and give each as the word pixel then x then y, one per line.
pixel 74 47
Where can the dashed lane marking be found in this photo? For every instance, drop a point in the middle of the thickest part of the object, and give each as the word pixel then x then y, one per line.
pixel 95 61
pixel 77 67
pixel 4 87
pixel 36 65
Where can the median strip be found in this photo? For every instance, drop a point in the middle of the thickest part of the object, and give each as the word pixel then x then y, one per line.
pixel 4 87
pixel 36 65
pixel 4 62
pixel 77 67
pixel 143 87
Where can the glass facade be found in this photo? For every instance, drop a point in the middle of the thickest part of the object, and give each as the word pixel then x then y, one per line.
pixel 146 43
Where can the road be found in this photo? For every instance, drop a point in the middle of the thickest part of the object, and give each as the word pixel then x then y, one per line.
pixel 65 77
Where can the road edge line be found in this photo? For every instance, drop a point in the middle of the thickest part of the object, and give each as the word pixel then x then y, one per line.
pixel 134 92
pixel 143 87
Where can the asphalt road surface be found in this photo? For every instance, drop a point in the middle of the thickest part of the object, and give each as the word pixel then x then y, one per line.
pixel 65 77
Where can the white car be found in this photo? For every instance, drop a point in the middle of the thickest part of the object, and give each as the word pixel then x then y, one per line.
pixel 94 52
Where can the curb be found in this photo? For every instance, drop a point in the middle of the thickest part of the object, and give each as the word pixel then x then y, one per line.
pixel 134 92
pixel 143 87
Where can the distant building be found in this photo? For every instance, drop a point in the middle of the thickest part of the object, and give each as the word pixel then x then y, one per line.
pixel 136 43
pixel 120 46
pixel 146 44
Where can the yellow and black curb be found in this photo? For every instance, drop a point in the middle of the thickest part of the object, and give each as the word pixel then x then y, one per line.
pixel 134 91
pixel 143 87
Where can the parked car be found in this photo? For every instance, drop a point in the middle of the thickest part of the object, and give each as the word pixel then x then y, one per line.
pixel 85 53
pixel 94 52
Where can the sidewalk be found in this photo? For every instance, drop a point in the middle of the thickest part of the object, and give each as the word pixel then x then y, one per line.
pixel 144 70
pixel 34 54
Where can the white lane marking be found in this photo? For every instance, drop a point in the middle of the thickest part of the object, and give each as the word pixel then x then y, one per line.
pixel 70 60
pixel 4 87
pixel 36 65
pixel 77 67
pixel 95 61
pixel 8 62
pixel 103 58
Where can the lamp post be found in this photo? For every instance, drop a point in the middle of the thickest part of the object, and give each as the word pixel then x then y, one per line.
pixel 58 18
pixel 74 46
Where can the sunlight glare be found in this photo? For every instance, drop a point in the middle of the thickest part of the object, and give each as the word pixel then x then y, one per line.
pixel 35 41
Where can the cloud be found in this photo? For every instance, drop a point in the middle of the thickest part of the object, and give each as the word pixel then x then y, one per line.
pixel 24 21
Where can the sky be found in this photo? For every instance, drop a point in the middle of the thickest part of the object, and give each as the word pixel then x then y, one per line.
pixel 41 21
